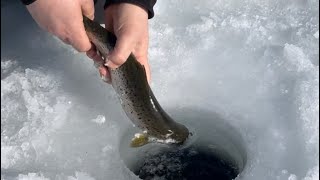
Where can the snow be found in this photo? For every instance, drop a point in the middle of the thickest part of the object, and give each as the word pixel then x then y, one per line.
pixel 255 63
pixel 316 34
pixel 80 176
pixel 32 176
pixel 100 119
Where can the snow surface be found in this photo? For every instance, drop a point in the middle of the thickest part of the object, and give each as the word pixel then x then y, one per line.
pixel 254 62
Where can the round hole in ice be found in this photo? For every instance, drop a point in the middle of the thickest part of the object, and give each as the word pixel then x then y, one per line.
pixel 215 150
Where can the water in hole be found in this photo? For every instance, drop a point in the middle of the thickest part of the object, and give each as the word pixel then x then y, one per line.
pixel 190 164
pixel 214 149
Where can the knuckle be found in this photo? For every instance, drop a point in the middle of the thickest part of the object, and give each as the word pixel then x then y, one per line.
pixel 81 47
pixel 119 58
pixel 130 35
pixel 141 56
pixel 90 15
pixel 60 33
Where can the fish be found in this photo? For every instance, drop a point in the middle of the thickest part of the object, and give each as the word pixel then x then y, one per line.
pixel 136 97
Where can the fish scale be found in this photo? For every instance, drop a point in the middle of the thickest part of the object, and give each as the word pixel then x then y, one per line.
pixel 137 99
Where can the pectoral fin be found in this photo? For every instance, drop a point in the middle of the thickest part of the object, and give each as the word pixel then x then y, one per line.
pixel 139 140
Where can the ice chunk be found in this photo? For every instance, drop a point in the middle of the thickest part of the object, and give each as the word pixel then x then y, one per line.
pixel 32 176
pixel 296 59
pixel 292 177
pixel 316 34
pixel 100 119
pixel 7 66
pixel 81 176
pixel 313 174
pixel 9 156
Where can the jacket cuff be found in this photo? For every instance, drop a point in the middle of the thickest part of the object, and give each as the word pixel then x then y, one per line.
pixel 27 2
pixel 145 4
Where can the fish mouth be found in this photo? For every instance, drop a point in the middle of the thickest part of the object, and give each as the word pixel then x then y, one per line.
pixel 214 149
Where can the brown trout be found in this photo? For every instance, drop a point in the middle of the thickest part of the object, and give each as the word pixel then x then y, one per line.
pixel 136 97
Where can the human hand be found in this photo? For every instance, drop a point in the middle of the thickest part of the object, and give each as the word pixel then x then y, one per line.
pixel 64 19
pixel 130 25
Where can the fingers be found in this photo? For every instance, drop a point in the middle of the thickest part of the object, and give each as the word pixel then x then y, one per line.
pixel 124 46
pixel 104 74
pixel 72 31
pixel 79 39
pixel 76 37
pixel 99 63
pixel 108 18
pixel 77 34
pixel 92 53
pixel 141 53
pixel 88 10
pixel 87 7
pixel 130 25
pixel 143 60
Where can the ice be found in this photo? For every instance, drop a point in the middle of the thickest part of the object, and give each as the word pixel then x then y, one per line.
pixel 255 63
pixel 295 56
pixel 316 34
pixel 80 176
pixel 292 177
pixel 100 119
pixel 312 174
pixel 7 66
pixel 32 176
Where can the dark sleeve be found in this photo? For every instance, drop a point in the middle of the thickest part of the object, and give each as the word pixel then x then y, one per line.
pixel 146 4
pixel 27 2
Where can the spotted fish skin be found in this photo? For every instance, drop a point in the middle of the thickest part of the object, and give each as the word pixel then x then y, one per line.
pixel 137 99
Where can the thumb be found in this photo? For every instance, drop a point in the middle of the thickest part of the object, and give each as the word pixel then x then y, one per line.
pixel 123 48
pixel 87 7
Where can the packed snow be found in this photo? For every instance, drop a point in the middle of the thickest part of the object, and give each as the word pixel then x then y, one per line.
pixel 254 62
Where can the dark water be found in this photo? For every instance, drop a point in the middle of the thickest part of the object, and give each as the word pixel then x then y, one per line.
pixel 192 163
pixel 214 151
